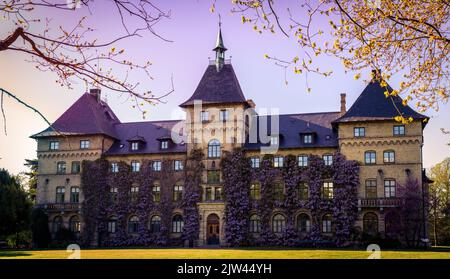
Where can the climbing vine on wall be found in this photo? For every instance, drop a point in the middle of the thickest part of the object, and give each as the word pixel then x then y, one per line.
pixel 236 177
pixel 100 206
pixel 343 207
pixel 193 178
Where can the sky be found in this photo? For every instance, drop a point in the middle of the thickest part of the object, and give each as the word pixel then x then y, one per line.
pixel 192 28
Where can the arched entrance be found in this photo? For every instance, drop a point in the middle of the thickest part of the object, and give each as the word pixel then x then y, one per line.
pixel 213 229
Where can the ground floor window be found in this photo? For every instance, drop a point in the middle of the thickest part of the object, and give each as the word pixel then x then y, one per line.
pixel 155 224
pixel 278 223
pixel 255 224
pixel 133 224
pixel 75 225
pixel 303 223
pixel 326 223
pixel 370 223
pixel 177 224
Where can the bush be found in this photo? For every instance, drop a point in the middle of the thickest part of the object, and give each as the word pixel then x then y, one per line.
pixel 19 240
pixel 39 228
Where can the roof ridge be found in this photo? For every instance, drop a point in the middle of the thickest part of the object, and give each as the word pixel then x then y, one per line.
pixel 152 121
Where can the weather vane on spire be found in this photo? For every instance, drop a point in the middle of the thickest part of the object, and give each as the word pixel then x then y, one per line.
pixel 220 48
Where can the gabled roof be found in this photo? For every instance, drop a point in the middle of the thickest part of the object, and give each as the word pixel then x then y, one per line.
pixel 86 116
pixel 372 104
pixel 291 125
pixel 150 131
pixel 217 87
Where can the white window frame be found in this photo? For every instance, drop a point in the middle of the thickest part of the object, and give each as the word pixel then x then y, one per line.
pixel 85 144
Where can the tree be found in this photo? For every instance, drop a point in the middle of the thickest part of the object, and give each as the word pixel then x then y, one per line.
pixel 39 228
pixel 32 164
pixel 407 37
pixel 14 206
pixel 412 211
pixel 73 52
pixel 440 202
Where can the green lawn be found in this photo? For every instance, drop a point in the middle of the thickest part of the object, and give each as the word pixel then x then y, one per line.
pixel 433 253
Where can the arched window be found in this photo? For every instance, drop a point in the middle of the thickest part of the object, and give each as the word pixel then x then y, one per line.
pixel 303 223
pixel 133 224
pixel 57 224
pixel 214 149
pixel 177 224
pixel 74 224
pixel 155 224
pixel 255 224
pixel 112 224
pixel 327 223
pixel 278 223
pixel 370 223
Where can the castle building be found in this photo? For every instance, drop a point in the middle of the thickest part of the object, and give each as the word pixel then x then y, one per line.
pixel 220 119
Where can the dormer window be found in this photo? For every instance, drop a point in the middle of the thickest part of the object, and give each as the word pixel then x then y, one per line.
pixel 307 138
pixel 164 144
pixel 134 145
pixel 204 116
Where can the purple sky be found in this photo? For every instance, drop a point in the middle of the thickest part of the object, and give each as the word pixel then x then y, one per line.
pixel 193 29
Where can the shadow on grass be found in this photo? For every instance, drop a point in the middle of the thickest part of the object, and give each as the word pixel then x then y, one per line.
pixel 10 254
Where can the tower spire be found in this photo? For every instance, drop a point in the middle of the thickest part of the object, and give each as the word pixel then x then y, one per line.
pixel 220 48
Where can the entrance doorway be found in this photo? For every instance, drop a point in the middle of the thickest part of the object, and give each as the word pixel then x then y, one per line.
pixel 213 229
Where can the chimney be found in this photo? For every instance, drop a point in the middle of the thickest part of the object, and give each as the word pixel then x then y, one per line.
pixel 343 103
pixel 96 92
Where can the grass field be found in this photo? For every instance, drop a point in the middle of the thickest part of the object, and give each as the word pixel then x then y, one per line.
pixel 433 253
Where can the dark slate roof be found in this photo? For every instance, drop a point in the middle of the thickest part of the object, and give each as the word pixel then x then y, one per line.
pixel 86 116
pixel 217 87
pixel 292 125
pixel 150 131
pixel 372 104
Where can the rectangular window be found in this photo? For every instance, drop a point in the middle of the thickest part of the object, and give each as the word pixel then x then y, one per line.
pixel 134 145
pixel 208 194
pixel 113 192
pixel 204 116
pixel 112 226
pixel 135 166
pixel 399 130
pixel 223 115
pixel 134 193
pixel 307 138
pixel 359 132
pixel 75 194
pixel 370 157
pixel 114 167
pixel 278 161
pixel 303 191
pixel 164 144
pixel 178 165
pixel 255 191
pixel 213 176
pixel 273 140
pixel 54 145
pixel 327 190
pixel 371 189
pixel 156 191
pixel 76 167
pixel 177 192
pixel 218 193
pixel 389 188
pixel 303 161
pixel 389 157
pixel 60 191
pixel 156 165
pixel 328 159
pixel 85 144
pixel 278 191
pixel 255 162
pixel 61 167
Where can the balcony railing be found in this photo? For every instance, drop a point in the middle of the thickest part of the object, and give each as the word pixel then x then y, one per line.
pixel 380 202
pixel 61 206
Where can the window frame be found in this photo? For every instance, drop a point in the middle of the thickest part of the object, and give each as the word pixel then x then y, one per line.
pixel 223 115
pixel 177 223
pixel 60 196
pixel 303 162
pixel 370 162
pixel 164 144
pixel 303 228
pixel 155 225
pixel 135 166
pixel 398 134
pixel 255 191
pixel 326 160
pixel 357 132
pixel 53 145
pixel 389 161
pixel 327 190
pixel 177 194
pixel 156 193
pixel 75 194
pixel 204 116
pixel 85 144
pixel 178 165
pixel 372 193
pixel 255 162
pixel 133 225
pixel 390 191
pixel 214 149
pixel 134 146
pixel 278 191
pixel 254 224
pixel 278 161
pixel 327 224
pixel 278 225
pixel 302 188
pixel 61 167
pixel 309 137
pixel 114 168
pixel 157 165
pixel 74 170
